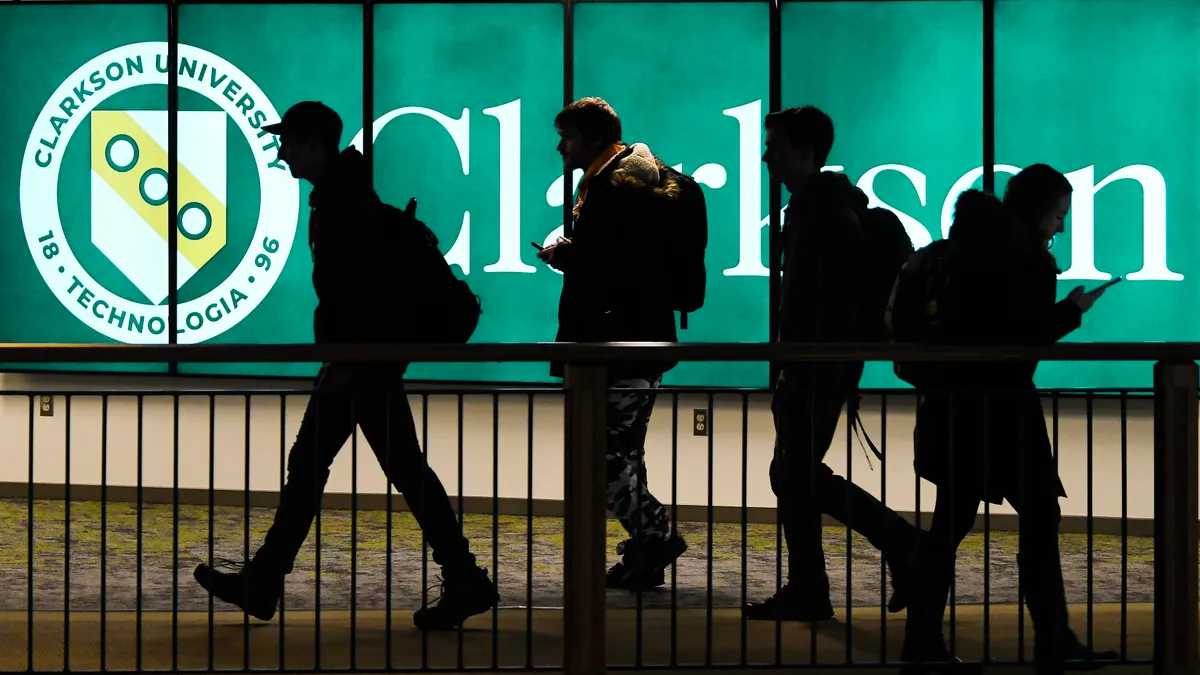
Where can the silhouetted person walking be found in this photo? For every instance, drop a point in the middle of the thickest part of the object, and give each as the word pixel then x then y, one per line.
pixel 618 286
pixel 828 272
pixel 358 244
pixel 981 431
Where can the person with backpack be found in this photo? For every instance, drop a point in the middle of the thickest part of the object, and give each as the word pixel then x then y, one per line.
pixel 840 258
pixel 981 430
pixel 634 255
pixel 359 243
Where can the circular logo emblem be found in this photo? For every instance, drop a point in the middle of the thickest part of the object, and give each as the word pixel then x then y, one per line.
pixel 128 195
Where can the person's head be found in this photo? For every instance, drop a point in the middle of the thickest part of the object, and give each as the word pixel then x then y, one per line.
pixel 585 127
pixel 980 217
pixel 798 143
pixel 1039 197
pixel 309 134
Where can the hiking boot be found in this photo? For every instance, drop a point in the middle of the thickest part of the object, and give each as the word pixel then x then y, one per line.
pixel 461 598
pixel 791 603
pixel 1070 655
pixel 255 594
pixel 643 565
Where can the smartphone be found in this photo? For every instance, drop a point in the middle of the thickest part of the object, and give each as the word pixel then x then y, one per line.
pixel 536 245
pixel 1107 284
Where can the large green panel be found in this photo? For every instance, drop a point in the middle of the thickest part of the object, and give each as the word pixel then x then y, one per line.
pixel 691 80
pixel 65 251
pixel 903 83
pixel 265 255
pixel 465 98
pixel 1106 92
pixel 465 95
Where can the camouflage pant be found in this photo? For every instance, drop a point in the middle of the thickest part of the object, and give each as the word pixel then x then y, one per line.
pixel 630 402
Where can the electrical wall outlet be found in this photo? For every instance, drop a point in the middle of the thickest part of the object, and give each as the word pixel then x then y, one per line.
pixel 700 422
pixel 46 404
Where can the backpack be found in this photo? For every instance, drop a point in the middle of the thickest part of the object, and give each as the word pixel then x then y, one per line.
pixel 889 248
pixel 688 224
pixel 444 309
pixel 916 309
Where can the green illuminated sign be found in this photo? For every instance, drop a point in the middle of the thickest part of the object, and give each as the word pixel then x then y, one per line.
pixel 86 217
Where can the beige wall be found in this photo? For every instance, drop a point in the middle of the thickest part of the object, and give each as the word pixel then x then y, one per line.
pixel 266 412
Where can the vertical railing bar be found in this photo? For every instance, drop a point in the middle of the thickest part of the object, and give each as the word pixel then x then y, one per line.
pixel 1124 526
pixel 175 532
pixel 103 532
pixel 140 469
pixel 1090 518
pixel 67 541
pixel 316 496
pixel 745 518
pixel 283 450
pixel 1020 586
pixel 246 528
pixel 917 524
pixel 850 536
pixel 461 515
pixel 354 530
pixel 708 610
pixel 674 660
pixel 424 539
pixel 987 555
pixel 812 492
pixel 883 650
pixel 1054 414
pixel 529 539
pixel 389 401
pixel 496 527
pixel 212 506
pixel 29 560
pixel 953 518
pixel 637 540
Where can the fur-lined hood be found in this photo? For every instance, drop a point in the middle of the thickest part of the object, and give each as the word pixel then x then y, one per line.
pixel 637 167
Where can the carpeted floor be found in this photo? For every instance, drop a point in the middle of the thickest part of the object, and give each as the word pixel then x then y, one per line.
pixel 525 557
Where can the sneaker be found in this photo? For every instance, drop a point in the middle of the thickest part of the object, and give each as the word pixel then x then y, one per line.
pixel 643 566
pixel 625 578
pixel 257 597
pixel 791 604
pixel 460 599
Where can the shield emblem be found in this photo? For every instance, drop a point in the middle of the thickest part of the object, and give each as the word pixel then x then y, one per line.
pixel 129 206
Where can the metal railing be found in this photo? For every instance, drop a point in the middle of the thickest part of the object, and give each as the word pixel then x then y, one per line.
pixel 585 543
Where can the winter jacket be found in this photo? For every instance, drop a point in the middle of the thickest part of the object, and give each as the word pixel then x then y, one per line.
pixel 824 274
pixel 351 266
pixel 989 421
pixel 615 287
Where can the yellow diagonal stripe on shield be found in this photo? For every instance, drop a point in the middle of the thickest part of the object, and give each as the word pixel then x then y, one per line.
pixel 142 164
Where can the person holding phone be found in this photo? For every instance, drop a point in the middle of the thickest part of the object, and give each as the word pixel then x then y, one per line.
pixel 983 436
pixel 616 289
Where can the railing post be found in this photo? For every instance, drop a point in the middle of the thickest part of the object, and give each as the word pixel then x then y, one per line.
pixel 1176 596
pixel 584 521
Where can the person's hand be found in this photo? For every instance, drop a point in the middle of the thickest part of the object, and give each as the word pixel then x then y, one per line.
pixel 1085 299
pixel 548 254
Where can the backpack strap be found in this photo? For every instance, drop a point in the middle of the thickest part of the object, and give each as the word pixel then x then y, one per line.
pixel 853 405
